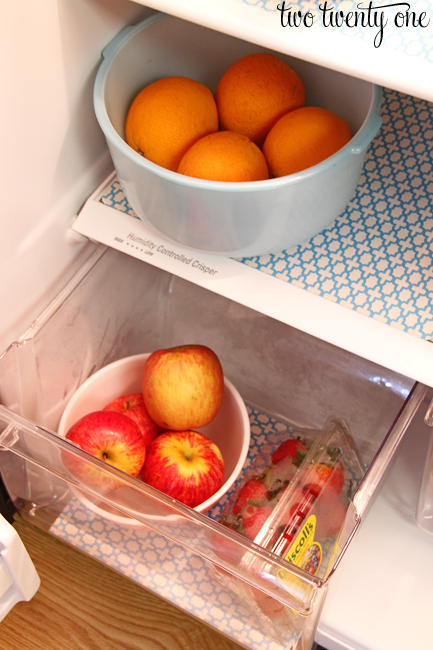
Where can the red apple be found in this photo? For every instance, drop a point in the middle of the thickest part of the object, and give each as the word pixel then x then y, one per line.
pixel 133 406
pixel 111 437
pixel 183 387
pixel 185 465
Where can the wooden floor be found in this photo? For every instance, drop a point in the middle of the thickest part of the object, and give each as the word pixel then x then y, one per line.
pixel 83 605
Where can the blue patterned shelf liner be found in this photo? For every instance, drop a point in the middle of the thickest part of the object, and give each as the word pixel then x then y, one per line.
pixel 377 257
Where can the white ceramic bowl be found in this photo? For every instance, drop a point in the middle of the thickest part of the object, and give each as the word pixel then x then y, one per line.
pixel 230 429
pixel 236 219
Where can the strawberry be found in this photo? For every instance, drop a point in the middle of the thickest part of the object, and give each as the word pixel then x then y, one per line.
pixel 301 501
pixel 323 475
pixel 271 607
pixel 253 520
pixel 277 477
pixel 254 492
pixel 330 514
pixel 293 447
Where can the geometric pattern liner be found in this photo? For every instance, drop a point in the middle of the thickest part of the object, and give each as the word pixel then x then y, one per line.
pixel 169 570
pixel 377 257
pixel 164 568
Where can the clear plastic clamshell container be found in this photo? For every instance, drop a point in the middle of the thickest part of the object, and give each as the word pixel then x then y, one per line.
pixel 298 499
pixel 118 306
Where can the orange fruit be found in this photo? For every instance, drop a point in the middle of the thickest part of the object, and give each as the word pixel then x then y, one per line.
pixel 303 138
pixel 167 117
pixel 225 156
pixel 255 92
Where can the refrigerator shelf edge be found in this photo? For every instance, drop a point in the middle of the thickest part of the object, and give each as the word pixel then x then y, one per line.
pixel 305 310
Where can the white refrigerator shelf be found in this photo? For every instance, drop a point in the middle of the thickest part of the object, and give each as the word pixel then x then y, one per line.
pixel 364 284
pixel 390 44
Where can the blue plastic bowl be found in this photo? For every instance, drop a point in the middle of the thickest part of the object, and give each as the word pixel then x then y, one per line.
pixel 233 219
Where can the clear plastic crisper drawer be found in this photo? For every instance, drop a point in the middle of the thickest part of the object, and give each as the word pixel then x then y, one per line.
pixel 119 306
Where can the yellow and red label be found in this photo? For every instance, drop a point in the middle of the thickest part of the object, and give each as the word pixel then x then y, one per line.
pixel 305 552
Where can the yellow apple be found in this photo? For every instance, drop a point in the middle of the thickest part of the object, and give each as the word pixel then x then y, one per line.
pixel 183 387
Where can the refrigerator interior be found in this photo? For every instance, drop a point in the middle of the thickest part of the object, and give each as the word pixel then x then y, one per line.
pixel 65 159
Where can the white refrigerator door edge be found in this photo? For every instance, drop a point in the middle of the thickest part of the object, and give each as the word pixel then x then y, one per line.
pixel 18 577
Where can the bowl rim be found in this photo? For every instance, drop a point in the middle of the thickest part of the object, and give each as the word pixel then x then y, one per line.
pixel 362 137
pixel 202 507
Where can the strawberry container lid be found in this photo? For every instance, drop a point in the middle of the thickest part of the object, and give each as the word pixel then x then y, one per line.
pixel 294 501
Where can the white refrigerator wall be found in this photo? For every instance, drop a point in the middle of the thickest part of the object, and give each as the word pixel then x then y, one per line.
pixel 53 153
